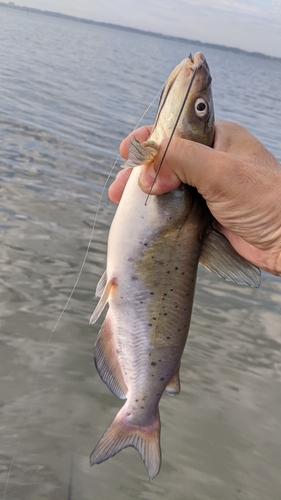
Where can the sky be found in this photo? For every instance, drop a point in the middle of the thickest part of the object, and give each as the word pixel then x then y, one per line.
pixel 252 25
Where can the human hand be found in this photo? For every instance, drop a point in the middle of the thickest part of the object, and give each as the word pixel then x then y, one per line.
pixel 239 179
pixel 117 187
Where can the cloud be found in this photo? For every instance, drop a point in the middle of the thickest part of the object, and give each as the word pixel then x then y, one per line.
pixel 253 25
pixel 256 8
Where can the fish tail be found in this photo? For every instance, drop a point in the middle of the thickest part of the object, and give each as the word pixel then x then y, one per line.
pixel 123 433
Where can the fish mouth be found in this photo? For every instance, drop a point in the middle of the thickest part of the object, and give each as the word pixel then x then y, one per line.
pixel 193 64
pixel 190 65
pixel 198 59
pixel 190 76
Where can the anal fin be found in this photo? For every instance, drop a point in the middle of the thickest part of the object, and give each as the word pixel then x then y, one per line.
pixel 106 360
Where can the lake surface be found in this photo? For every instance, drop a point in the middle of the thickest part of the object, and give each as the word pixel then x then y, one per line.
pixel 70 92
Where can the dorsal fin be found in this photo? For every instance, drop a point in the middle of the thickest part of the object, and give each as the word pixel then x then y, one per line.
pixel 220 257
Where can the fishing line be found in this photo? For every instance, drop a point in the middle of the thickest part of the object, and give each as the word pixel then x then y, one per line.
pixel 70 481
pixel 34 392
pixel 174 129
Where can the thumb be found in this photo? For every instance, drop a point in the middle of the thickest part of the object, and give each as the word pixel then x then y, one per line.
pixel 185 161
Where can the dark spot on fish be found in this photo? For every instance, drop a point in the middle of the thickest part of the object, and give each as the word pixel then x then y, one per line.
pixel 134 278
pixel 136 400
pixel 158 394
pixel 183 273
pixel 151 293
pixel 153 363
pixel 176 307
pixel 165 314
pixel 162 378
pixel 165 294
pixel 149 324
pixel 152 374
pixel 176 268
pixel 168 272
pixel 168 338
pixel 179 330
pixel 130 259
pixel 128 414
pixel 117 351
pixel 159 360
pixel 142 407
pixel 145 244
pixel 171 289
pixel 154 318
pixel 152 256
pixel 141 302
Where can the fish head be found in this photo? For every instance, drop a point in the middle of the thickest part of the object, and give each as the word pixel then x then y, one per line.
pixel 186 105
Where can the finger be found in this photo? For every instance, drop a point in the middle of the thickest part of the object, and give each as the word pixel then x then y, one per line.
pixel 185 161
pixel 141 134
pixel 117 187
pixel 158 183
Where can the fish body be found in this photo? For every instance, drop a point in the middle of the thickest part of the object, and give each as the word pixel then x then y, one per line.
pixel 153 254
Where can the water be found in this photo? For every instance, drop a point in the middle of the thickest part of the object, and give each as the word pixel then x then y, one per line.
pixel 69 93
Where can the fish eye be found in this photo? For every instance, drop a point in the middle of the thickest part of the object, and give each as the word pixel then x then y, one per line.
pixel 201 107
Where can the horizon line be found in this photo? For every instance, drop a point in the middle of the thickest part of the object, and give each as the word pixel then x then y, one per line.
pixel 12 5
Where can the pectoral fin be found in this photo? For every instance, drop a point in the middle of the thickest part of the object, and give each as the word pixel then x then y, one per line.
pixel 220 257
pixel 104 288
pixel 141 153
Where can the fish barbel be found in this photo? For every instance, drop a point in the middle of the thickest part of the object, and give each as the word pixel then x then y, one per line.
pixel 152 260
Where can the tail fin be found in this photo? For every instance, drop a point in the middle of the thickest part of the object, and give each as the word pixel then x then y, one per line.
pixel 123 433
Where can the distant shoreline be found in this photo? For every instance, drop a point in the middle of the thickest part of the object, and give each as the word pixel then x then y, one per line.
pixel 141 32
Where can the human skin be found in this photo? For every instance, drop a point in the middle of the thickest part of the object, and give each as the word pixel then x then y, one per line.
pixel 239 179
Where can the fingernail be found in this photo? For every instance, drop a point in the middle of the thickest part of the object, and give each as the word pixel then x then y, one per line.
pixel 147 177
